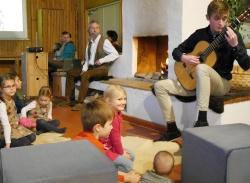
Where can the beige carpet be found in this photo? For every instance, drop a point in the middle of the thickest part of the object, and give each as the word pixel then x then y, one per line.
pixel 48 138
pixel 145 150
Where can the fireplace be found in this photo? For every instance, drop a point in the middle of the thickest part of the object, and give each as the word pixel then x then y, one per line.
pixel 152 55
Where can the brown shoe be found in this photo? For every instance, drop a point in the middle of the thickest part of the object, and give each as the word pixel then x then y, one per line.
pixel 77 107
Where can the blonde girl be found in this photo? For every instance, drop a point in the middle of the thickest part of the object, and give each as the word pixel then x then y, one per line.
pixel 11 133
pixel 43 107
pixel 116 97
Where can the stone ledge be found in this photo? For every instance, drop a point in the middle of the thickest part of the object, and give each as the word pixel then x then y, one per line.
pixel 132 83
pixel 143 105
pixel 235 95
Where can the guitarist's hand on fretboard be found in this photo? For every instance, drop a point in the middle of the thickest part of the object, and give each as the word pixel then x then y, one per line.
pixel 205 52
pixel 190 59
pixel 231 37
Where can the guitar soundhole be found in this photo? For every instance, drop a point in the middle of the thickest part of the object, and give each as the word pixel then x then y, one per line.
pixel 184 65
pixel 202 58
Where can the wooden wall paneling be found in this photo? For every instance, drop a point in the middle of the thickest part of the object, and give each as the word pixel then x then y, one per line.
pixel 72 19
pixel 40 27
pixel 16 47
pixel 32 21
pixel 79 27
pixel 6 66
pixel 92 4
pixel 72 24
pixel 49 27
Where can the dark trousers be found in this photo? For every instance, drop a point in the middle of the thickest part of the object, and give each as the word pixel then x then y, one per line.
pixel 24 141
pixel 47 126
pixel 91 74
pixel 54 65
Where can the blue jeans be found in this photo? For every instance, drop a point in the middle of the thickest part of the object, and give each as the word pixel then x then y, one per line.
pixel 123 164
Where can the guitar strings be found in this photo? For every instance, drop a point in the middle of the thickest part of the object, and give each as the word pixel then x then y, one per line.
pixel 220 38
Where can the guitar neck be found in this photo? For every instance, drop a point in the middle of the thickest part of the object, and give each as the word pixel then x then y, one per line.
pixel 221 37
pixel 215 44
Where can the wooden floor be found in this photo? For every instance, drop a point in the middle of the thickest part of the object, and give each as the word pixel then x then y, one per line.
pixel 71 120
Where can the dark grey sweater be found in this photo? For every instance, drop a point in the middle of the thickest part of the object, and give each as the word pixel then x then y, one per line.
pixel 152 177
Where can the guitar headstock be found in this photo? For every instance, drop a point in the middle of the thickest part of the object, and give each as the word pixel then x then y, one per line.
pixel 241 18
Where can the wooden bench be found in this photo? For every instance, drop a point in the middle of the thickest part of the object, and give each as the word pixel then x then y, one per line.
pixel 16 60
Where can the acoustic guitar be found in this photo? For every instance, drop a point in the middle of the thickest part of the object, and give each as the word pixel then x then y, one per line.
pixel 186 72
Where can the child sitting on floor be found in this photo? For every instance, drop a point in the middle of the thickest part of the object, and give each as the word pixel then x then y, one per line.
pixel 11 133
pixel 116 97
pixel 97 119
pixel 43 108
pixel 29 121
pixel 163 164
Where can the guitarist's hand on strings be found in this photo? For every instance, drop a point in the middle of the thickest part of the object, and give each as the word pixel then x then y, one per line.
pixel 231 37
pixel 190 59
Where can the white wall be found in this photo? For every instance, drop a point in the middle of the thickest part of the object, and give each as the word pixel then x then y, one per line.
pixel 191 15
pixel 151 18
pixel 186 114
pixel 139 18
pixel 177 19
pixel 156 17
pixel 141 104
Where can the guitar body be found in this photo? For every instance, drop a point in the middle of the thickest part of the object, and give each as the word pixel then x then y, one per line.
pixel 186 73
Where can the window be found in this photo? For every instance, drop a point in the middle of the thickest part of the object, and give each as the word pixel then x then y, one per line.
pixel 109 17
pixel 13 20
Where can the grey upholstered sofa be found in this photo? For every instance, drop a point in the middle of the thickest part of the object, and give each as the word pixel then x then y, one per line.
pixel 66 162
pixel 216 154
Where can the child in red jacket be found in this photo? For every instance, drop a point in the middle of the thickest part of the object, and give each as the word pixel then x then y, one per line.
pixel 116 97
pixel 97 119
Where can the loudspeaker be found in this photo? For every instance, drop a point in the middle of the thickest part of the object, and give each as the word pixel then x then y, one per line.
pixel 35 49
pixel 34 72
pixel 65 162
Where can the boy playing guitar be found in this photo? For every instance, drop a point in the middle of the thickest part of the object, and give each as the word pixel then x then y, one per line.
pixel 226 45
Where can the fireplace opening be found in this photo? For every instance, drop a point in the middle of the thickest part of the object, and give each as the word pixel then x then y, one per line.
pixel 152 56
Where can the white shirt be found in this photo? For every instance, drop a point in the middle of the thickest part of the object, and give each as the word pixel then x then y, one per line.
pixel 32 105
pixel 5 123
pixel 108 48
